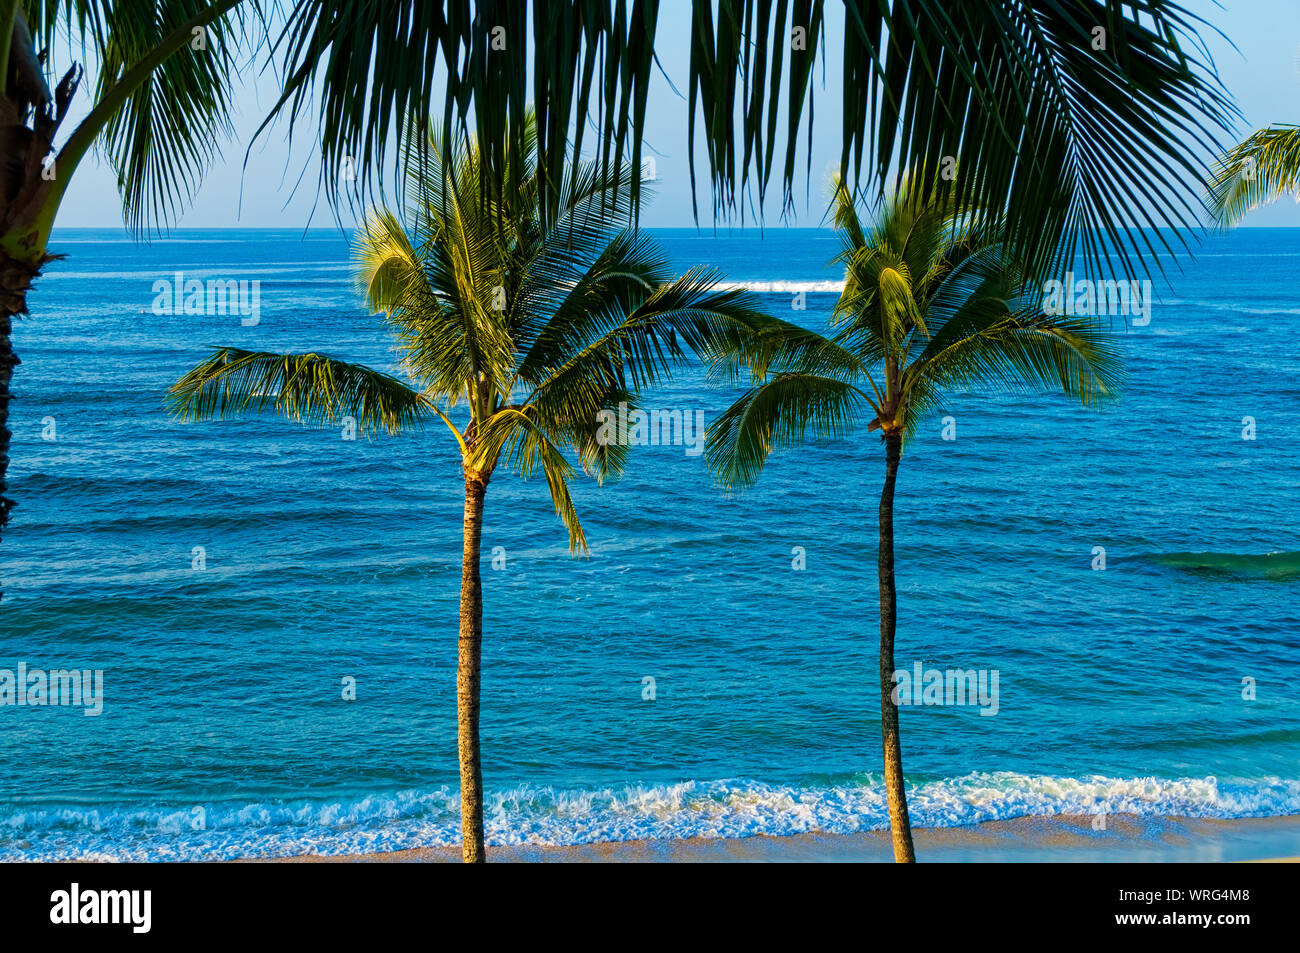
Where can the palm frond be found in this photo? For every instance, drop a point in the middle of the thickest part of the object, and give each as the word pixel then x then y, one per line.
pixel 646 336
pixel 684 319
pixel 585 233
pixel 782 412
pixel 164 133
pixel 1070 136
pixel 572 315
pixel 773 346
pixel 1070 132
pixel 389 270
pixel 306 388
pixel 401 51
pixel 978 287
pixel 441 296
pixel 511 438
pixel 1026 349
pixel 1255 172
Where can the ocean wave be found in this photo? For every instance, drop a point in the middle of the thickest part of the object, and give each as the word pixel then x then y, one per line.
pixel 786 287
pixel 534 815
pixel 1272 566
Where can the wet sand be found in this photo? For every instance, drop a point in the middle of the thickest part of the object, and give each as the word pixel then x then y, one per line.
pixel 1067 838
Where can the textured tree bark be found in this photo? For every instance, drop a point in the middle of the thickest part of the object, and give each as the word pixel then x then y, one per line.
pixel 15 280
pixel 468 675
pixel 28 198
pixel 23 192
pixel 900 826
pixel 8 360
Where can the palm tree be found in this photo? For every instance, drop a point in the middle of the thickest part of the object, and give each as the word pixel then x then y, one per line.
pixel 930 304
pixel 535 327
pixel 1252 173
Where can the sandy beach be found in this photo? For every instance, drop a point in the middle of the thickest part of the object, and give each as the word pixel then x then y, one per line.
pixel 1066 838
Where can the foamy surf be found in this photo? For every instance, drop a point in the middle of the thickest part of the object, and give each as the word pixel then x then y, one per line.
pixel 782 287
pixel 531 815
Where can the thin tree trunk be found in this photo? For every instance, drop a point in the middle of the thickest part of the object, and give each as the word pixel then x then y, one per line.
pixel 900 826
pixel 468 675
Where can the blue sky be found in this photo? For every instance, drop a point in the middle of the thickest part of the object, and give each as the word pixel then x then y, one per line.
pixel 1263 74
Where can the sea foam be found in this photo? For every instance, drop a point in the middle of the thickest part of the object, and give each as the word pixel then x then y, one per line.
pixel 531 815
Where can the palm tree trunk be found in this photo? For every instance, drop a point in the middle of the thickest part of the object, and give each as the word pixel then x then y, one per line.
pixel 899 825
pixel 468 675
pixel 7 361
pixel 15 281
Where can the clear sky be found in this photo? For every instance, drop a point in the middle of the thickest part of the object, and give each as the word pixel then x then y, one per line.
pixel 1263 74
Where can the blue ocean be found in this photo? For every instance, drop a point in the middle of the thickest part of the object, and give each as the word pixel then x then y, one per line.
pixel 237 581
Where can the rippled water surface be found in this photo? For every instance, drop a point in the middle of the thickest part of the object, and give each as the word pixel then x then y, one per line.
pixel 223 729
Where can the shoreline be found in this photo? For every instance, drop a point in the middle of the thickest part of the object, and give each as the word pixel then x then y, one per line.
pixel 1068 838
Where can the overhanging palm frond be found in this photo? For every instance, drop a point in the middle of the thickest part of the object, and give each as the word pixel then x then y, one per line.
pixel 783 412
pixel 160 129
pixel 306 388
pixel 400 51
pixel 1075 116
pixel 1263 168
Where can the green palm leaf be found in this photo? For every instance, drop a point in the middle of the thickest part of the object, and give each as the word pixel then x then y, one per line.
pixel 1263 168
pixel 782 412
pixel 305 388
pixel 1026 349
pixel 163 95
pixel 1075 139
pixel 512 439
pixel 933 302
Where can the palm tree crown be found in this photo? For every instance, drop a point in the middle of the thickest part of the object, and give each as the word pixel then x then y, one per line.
pixel 534 326
pixel 931 303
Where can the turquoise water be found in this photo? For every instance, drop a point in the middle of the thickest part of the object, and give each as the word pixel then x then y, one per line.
pixel 224 731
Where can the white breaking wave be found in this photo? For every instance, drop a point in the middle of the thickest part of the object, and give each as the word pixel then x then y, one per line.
pixel 546 816
pixel 782 287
